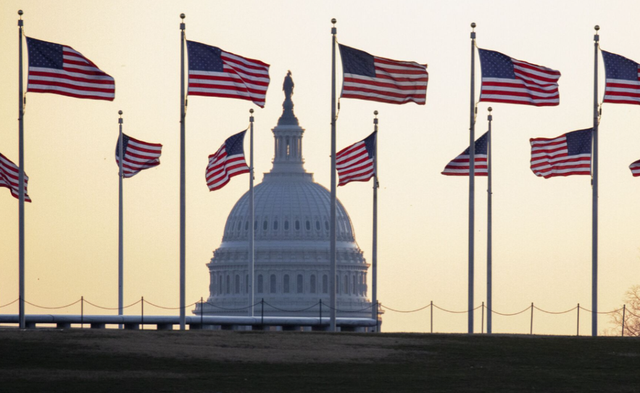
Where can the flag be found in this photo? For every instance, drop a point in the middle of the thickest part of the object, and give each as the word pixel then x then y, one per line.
pixel 138 155
pixel 459 166
pixel 513 81
pixel 566 155
pixel 9 177
pixel 59 69
pixel 216 73
pixel 622 79
pixel 227 162
pixel 355 162
pixel 635 168
pixel 368 77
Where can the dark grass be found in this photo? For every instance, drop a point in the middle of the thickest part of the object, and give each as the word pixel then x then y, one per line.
pixel 74 361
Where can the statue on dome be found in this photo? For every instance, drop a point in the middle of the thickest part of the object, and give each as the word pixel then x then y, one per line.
pixel 288 86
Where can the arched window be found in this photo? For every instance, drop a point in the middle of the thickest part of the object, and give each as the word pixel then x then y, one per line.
pixel 325 284
pixel 308 225
pixel 275 225
pixel 286 283
pixel 255 225
pixel 246 225
pixel 300 283
pixel 260 284
pixel 237 288
pixel 326 225
pixel 265 225
pixel 297 225
pixel 318 225
pixel 286 225
pixel 312 283
pixel 272 284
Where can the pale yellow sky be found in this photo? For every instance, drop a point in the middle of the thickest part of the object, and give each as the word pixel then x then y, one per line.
pixel 542 228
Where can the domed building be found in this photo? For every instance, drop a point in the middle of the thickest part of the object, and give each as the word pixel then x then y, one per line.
pixel 292 263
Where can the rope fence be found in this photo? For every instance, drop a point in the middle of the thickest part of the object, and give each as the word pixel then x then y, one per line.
pixel 626 314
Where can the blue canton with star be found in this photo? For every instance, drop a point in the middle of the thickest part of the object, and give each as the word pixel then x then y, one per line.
pixel 496 65
pixel 579 142
pixel 370 144
pixel 234 144
pixel 44 54
pixel 357 62
pixel 204 57
pixel 481 145
pixel 618 67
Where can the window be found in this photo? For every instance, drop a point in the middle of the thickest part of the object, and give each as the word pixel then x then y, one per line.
pixel 286 283
pixel 237 288
pixel 286 225
pixel 228 284
pixel 353 289
pixel 297 225
pixel 275 225
pixel 220 284
pixel 318 225
pixel 272 284
pixel 255 225
pixel 300 283
pixel 239 225
pixel 346 285
pixel 260 284
pixel 325 284
pixel 308 225
pixel 246 225
pixel 265 225
pixel 312 283
pixel 326 225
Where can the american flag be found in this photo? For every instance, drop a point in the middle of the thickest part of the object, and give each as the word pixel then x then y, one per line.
pixel 138 155
pixel 635 168
pixel 9 174
pixel 566 155
pixel 513 81
pixel 59 69
pixel 622 79
pixel 216 73
pixel 459 166
pixel 355 162
pixel 227 162
pixel 368 77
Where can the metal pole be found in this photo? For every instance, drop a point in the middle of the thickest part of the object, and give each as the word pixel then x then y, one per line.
pixel 252 243
pixel 332 240
pixel 120 221
pixel 594 169
pixel 201 312
pixel 472 155
pixel 624 310
pixel 81 312
pixel 578 323
pixel 374 251
pixel 482 319
pixel 182 180
pixel 320 303
pixel 431 309
pixel 531 327
pixel 489 230
pixel 142 312
pixel 21 269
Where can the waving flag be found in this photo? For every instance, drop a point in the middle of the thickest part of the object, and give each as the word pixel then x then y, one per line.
pixel 635 168
pixel 459 166
pixel 59 69
pixel 368 77
pixel 9 174
pixel 356 162
pixel 566 155
pixel 138 155
pixel 216 73
pixel 227 162
pixel 622 79
pixel 513 81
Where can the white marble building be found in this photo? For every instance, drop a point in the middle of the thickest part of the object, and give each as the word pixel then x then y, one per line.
pixel 292 265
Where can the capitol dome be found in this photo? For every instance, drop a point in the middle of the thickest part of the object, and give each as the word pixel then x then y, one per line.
pixel 292 222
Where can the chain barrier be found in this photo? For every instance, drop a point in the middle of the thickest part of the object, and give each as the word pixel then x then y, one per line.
pixel 53 308
pixel 602 312
pixel 405 311
pixel 170 308
pixel 555 312
pixel 512 314
pixel 456 312
pixel 8 304
pixel 111 308
pixel 302 310
pixel 229 309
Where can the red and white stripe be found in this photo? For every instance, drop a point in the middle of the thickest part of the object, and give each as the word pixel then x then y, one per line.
pixel 635 168
pixel 9 177
pixel 139 155
pixel 222 168
pixel 549 158
pixel 354 164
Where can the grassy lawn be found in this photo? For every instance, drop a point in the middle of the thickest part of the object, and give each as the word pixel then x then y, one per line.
pixel 225 361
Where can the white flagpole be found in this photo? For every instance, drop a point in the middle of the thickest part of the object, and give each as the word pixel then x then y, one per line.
pixel 489 227
pixel 120 221
pixel 252 230
pixel 21 269
pixel 182 180
pixel 594 186
pixel 472 157
pixel 332 240
pixel 374 252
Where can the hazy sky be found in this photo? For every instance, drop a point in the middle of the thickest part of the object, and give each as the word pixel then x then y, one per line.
pixel 541 228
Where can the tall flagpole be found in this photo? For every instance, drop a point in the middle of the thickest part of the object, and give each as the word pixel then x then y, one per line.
pixel 182 179
pixel 252 240
pixel 472 158
pixel 489 227
pixel 332 240
pixel 594 186
pixel 21 179
pixel 120 220
pixel 374 251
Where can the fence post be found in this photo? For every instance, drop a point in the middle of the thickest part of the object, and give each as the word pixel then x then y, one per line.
pixel 201 313
pixel 81 312
pixel 377 316
pixel 320 321
pixel 142 312
pixel 482 320
pixel 531 327
pixel 578 328
pixel 262 312
pixel 624 309
pixel 431 307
